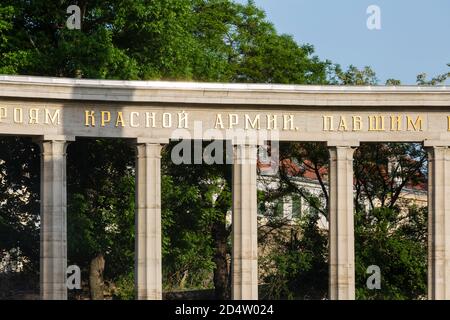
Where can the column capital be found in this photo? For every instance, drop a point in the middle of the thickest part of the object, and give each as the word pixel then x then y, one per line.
pixel 245 153
pixel 53 232
pixel 438 220
pixel 148 276
pixel 53 145
pixel 437 153
pixel 343 143
pixel 245 144
pixel 246 139
pixel 148 149
pixel 341 152
pixel 436 143
pixel 39 139
pixel 341 224
pixel 244 259
pixel 145 140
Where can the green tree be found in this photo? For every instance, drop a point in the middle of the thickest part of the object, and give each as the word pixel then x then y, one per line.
pixel 439 79
pixel 101 210
pixel 393 82
pixel 382 171
pixel 190 40
pixel 353 76
pixel 198 235
pixel 204 40
pixel 19 196
pixel 397 243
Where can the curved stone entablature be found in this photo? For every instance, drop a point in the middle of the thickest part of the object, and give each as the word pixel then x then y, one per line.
pixel 56 111
pixel 164 110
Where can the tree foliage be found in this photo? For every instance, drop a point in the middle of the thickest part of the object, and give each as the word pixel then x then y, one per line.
pixel 19 194
pixel 439 79
pixel 396 242
pixel 119 39
pixel 385 235
pixel 201 40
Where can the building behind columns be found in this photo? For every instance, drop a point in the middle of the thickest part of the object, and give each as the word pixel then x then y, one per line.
pixel 56 111
pixel 291 206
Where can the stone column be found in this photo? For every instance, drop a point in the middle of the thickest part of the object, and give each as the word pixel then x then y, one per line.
pixel 245 238
pixel 53 233
pixel 148 279
pixel 341 224
pixel 438 222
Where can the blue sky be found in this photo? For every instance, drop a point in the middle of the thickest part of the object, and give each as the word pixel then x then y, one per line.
pixel 414 35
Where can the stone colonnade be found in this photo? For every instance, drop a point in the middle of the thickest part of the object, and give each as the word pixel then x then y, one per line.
pixel 148 282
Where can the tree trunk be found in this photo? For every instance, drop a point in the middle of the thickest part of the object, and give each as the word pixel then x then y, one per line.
pixel 221 272
pixel 96 277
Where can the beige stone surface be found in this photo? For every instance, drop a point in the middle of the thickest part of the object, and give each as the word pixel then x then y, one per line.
pixel 148 260
pixel 245 238
pixel 53 234
pixel 203 103
pixel 341 224
pixel 151 113
pixel 439 223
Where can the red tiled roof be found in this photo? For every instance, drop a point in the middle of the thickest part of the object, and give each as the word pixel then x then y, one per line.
pixel 305 170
